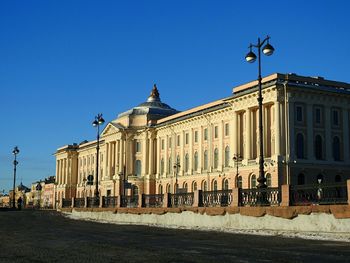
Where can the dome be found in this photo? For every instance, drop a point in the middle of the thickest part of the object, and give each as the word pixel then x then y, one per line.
pixel 153 107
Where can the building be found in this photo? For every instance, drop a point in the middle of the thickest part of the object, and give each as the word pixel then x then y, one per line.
pixel 153 146
pixel 21 191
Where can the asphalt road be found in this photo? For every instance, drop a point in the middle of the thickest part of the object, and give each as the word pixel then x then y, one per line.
pixel 47 236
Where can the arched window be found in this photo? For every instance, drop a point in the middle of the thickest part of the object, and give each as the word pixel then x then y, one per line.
pixel 185 186
pixel 214 185
pixel 162 166
pixel 268 180
pixel 225 184
pixel 300 146
pixel 216 158
pixel 135 190
pixel 196 161
pixel 336 148
pixel 227 156
pixel 253 181
pixel 318 147
pixel 337 178
pixel 301 179
pixel 168 188
pixel 186 163
pixel 160 189
pixel 194 186
pixel 239 182
pixel 205 157
pixel 138 167
pixel 170 167
pixel 204 186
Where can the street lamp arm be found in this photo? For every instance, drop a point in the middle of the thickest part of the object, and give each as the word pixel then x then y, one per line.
pixel 260 43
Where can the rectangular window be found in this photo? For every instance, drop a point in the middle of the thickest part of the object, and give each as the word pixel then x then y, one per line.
pixel 216 132
pixel 205 134
pixel 299 113
pixel 162 144
pixel 169 142
pixel 178 140
pixel 138 147
pixel 186 138
pixel 318 116
pixel 335 117
pixel 196 136
pixel 227 129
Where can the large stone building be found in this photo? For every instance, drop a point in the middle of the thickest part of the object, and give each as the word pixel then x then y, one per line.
pixel 306 138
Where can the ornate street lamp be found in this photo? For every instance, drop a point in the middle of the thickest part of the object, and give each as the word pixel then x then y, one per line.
pixel 96 123
pixel 15 162
pixel 176 169
pixel 237 158
pixel 251 57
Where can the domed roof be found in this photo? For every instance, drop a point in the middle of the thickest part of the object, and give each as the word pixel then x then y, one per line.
pixel 153 107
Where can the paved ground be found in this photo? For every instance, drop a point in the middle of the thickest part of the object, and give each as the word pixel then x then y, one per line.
pixel 47 236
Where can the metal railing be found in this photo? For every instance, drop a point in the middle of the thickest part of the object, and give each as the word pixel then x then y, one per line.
pixel 335 193
pixel 67 202
pixel 155 200
pixel 92 202
pixel 259 196
pixel 180 199
pixel 129 201
pixel 109 201
pixel 79 202
pixel 216 198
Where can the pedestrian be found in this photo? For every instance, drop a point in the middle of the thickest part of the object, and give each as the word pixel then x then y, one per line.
pixel 19 203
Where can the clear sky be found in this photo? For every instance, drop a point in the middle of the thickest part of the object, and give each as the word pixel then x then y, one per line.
pixel 62 62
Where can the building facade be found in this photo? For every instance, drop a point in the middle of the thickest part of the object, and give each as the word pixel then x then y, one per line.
pixel 152 147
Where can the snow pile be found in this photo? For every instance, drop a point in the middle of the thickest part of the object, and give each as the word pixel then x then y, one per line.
pixel 318 226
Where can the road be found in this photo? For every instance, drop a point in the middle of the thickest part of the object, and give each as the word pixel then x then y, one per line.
pixel 47 236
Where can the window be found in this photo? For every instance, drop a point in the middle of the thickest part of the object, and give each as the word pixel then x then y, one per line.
pixel 318 115
pixel 204 186
pixel 138 167
pixel 227 156
pixel 227 129
pixel 194 186
pixel 168 188
pixel 186 163
pixel 196 136
pixel 301 179
pixel 336 148
pixel 186 138
pixel 268 180
pixel 160 189
pixel 178 140
pixel 205 134
pixel 162 144
pixel 318 147
pixel 299 113
pixel 216 158
pixel 216 132
pixel 205 160
pixel 215 185
pixel 300 146
pixel 253 181
pixel 162 166
pixel 337 178
pixel 335 117
pixel 185 186
pixel 320 178
pixel 196 161
pixel 225 184
pixel 170 166
pixel 169 142
pixel 138 147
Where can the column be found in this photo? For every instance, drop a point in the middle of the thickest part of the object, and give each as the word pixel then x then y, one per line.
pixel 346 133
pixel 310 132
pixel 107 162
pixel 247 137
pixel 277 120
pixel 158 154
pixel 144 151
pixel 221 146
pixel 200 149
pixel 328 135
pixel 166 152
pixel 151 155
pixel 190 152
pixel 121 155
pixel 290 151
pixel 233 135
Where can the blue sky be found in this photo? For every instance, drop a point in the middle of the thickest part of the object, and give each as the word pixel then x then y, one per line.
pixel 62 62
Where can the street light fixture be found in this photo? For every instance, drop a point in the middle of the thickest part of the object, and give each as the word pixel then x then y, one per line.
pixel 15 162
pixel 251 57
pixel 96 123
pixel 176 168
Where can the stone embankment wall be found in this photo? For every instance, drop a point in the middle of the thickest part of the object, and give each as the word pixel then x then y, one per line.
pixel 326 219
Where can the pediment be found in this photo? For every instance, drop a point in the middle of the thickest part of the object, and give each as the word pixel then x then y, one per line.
pixel 111 128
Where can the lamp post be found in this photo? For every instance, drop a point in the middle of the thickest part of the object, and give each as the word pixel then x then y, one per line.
pixel 237 158
pixel 15 162
pixel 251 57
pixel 96 123
pixel 176 168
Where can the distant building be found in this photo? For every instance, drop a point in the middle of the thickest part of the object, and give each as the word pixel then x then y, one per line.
pixel 306 138
pixel 20 192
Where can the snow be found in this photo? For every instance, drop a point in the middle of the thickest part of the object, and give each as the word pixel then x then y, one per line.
pixel 318 226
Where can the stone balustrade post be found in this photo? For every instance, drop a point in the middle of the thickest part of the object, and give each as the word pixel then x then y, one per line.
pixel 235 197
pixel 100 202
pixel 197 198
pixel 85 202
pixel 72 205
pixel 285 195
pixel 139 203
pixel 166 200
